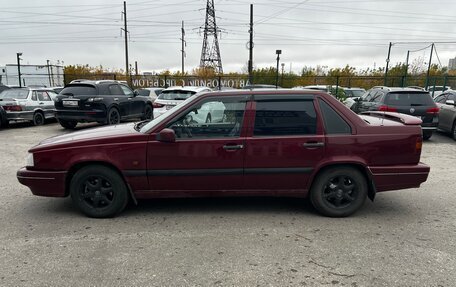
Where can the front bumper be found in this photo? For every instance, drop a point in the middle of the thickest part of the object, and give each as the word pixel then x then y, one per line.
pixel 399 176
pixel 81 115
pixel 43 183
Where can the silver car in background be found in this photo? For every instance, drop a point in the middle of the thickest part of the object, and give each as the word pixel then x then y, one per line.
pixel 28 104
pixel 173 96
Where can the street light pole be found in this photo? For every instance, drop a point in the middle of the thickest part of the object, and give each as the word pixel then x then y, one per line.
pixel 19 68
pixel 278 52
pixel 281 81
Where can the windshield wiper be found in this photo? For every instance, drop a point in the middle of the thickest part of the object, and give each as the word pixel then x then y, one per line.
pixel 140 124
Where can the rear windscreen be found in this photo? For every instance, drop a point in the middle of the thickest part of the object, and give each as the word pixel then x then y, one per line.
pixel 79 90
pixel 175 95
pixel 14 94
pixel 409 99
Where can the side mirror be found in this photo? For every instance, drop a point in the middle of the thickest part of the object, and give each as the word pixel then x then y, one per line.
pixel 135 93
pixel 166 136
pixel 450 102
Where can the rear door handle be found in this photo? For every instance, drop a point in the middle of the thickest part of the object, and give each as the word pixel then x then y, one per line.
pixel 233 147
pixel 313 144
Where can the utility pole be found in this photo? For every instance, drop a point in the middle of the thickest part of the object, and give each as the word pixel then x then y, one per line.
pixel 136 68
pixel 18 55
pixel 429 66
pixel 183 48
pixel 406 68
pixel 283 67
pixel 251 46
pixel 49 73
pixel 278 52
pixel 127 70
pixel 387 62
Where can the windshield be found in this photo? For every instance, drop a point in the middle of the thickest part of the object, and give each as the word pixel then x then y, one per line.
pixel 175 95
pixel 14 94
pixel 409 99
pixel 354 93
pixel 79 90
pixel 165 116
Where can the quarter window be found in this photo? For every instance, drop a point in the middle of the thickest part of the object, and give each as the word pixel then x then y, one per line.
pixel 334 123
pixel 279 118
pixel 214 118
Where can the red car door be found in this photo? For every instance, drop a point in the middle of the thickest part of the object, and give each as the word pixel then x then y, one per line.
pixel 286 143
pixel 207 157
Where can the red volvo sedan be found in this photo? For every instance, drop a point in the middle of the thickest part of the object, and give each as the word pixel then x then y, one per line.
pixel 264 143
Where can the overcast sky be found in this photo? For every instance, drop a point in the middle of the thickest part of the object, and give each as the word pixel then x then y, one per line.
pixel 329 33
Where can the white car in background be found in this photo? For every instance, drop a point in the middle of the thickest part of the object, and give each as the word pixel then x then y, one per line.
pixel 173 96
pixel 153 93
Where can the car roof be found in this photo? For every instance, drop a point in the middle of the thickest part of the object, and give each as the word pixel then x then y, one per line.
pixel 196 89
pixel 266 93
pixel 399 89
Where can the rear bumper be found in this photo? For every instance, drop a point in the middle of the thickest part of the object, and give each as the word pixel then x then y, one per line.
pixel 81 116
pixel 19 116
pixel 399 177
pixel 43 183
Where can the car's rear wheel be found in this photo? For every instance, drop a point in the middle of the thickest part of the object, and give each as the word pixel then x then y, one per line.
pixel 113 116
pixel 453 131
pixel 38 119
pixel 339 191
pixel 427 135
pixel 148 113
pixel 69 125
pixel 98 191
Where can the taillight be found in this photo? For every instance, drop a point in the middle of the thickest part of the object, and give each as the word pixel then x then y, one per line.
pixel 387 109
pixel 13 108
pixel 434 110
pixel 418 144
pixel 157 105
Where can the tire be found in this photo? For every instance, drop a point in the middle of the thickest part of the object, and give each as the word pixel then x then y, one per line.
pixel 69 125
pixel 453 131
pixel 38 119
pixel 208 118
pixel 331 194
pixel 148 113
pixel 113 116
pixel 427 135
pixel 98 191
pixel 4 124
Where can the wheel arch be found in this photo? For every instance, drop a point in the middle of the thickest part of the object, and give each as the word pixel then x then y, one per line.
pixel 356 165
pixel 78 166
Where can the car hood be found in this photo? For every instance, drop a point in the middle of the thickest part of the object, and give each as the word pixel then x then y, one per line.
pixel 102 135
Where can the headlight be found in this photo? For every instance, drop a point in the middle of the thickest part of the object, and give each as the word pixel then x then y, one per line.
pixel 30 161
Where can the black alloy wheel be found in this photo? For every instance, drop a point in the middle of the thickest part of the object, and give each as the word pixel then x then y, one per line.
pixel 38 119
pixel 339 191
pixel 68 124
pixel 148 113
pixel 113 117
pixel 98 191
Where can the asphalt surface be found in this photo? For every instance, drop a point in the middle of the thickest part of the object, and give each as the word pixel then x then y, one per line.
pixel 404 238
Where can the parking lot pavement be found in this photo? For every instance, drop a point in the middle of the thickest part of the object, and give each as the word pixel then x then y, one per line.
pixel 404 238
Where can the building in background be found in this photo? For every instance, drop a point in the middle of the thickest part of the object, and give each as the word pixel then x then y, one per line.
pixel 452 64
pixel 32 75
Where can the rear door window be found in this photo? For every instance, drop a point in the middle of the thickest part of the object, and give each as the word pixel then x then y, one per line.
pixel 285 118
pixel 334 123
pixel 409 99
pixel 115 90
pixel 127 91
pixel 43 96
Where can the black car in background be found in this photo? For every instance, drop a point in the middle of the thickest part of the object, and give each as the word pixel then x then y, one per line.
pixel 106 102
pixel 402 100
pixel 447 114
pixel 3 119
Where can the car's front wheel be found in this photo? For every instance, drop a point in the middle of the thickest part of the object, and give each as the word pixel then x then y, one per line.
pixel 98 191
pixel 339 191
pixel 113 117
pixel 69 125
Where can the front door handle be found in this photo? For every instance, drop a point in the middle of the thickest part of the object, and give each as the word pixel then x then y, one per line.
pixel 233 147
pixel 313 144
